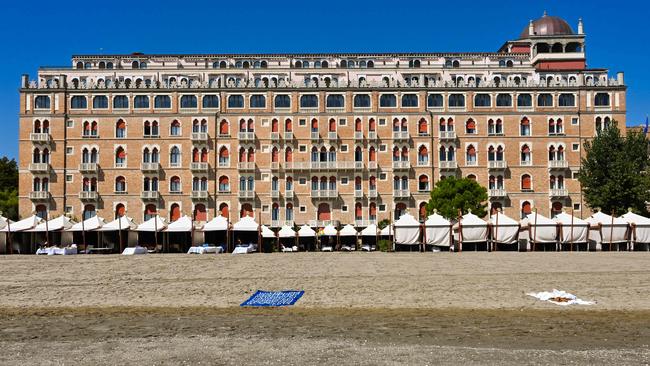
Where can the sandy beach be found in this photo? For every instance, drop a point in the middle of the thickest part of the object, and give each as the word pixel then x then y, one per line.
pixel 358 308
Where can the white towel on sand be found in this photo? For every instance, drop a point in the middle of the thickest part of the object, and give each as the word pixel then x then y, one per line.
pixel 555 294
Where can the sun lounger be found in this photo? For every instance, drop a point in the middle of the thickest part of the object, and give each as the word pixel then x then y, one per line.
pixel 134 250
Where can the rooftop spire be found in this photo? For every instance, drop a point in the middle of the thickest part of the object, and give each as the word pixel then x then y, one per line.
pixel 545 14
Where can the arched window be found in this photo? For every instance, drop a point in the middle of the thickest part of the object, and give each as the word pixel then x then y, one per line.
pixel 120 157
pixel 120 102
pixel 526 182
pixel 388 100
pixel 188 101
pixel 332 125
pixel 470 126
pixel 45 158
pixel 524 100
pixel 175 128
pixel 224 184
pixel 423 183
pixel 601 100
pixel 309 101
pixel 567 100
pixel 37 127
pixel 78 102
pixel 175 184
pixel 524 127
pixel 258 101
pixel 434 101
pixel 470 155
pixel 120 184
pixel 362 101
pixel 275 155
pixel 224 128
pixel 482 100
pixel 410 100
pixel 335 101
pixel 211 101
pixel 545 100
pixel 141 101
pixel 525 155
pixel 423 127
pixel 282 101
pixel 504 100
pixel 120 129
pixel 456 100
pixel 150 211
pixel 100 102
pixel 162 101
pixel 372 125
pixel 175 156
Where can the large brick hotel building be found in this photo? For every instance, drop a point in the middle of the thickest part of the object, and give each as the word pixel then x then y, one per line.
pixel 309 138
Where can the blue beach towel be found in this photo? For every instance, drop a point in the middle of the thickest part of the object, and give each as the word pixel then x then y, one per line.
pixel 273 298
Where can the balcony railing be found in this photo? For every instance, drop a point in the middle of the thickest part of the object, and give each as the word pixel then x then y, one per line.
pixel 497 192
pixel 150 195
pixel 39 137
pixel 323 223
pixel 358 135
pixel 358 193
pixel 289 223
pixel 246 165
pixel 246 136
pixel 276 223
pixel 315 136
pixel 39 167
pixel 39 196
pixel 372 165
pixel 275 136
pixel 558 164
pixel 88 167
pixel 224 164
pixel 372 193
pixel 497 164
pixel 246 194
pixel 275 165
pixel 423 162
pixel 332 135
pixel 324 193
pixel 199 195
pixel 558 192
pixel 88 195
pixel 400 135
pixel 526 163
pixel 200 136
pixel 401 165
pixel 372 135
pixel 275 194
pixel 448 164
pixel 288 136
pixel 288 194
pixel 364 223
pixel 401 193
pixel 199 166
pixel 150 167
pixel 447 135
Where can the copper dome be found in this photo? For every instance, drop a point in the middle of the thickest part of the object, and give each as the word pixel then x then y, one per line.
pixel 548 26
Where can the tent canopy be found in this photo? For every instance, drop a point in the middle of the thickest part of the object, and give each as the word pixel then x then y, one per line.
pixel 473 228
pixel 59 223
pixel 183 224
pixel 153 224
pixel 576 234
pixel 642 229
pixel 246 223
pixel 504 229
pixel 123 223
pixel 330 230
pixel 436 220
pixel 613 229
pixel 541 228
pixel 370 230
pixel 407 230
pixel 387 231
pixel 407 220
pixel 24 224
pixel 605 219
pixel 287 232
pixel 306 232
pixel 349 230
pixel 219 223
pixel 3 222
pixel 267 233
pixel 90 224
pixel 437 230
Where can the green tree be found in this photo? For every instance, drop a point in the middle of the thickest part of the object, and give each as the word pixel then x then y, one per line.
pixel 9 188
pixel 614 174
pixel 451 194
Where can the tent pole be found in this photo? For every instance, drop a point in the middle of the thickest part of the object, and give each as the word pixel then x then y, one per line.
pixel 155 229
pixel 228 234
pixel 192 229
pixel 424 238
pixel 83 230
pixel 611 232
pixel 535 231
pixel 259 232
pixel 496 233
pixel 11 247
pixel 460 230
pixel 571 237
pixel 47 227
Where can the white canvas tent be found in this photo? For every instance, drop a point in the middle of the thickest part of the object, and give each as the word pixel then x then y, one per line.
pixel 123 223
pixel 369 236
pixel 182 225
pixel 407 230
pixel 91 224
pixel 287 232
pixel 306 232
pixel 24 224
pixel 572 229
pixel 437 231
pixel 3 222
pixel 327 241
pixel 640 227
pixel 471 229
pixel 610 229
pixel 219 223
pixel 287 236
pixel 370 230
pixel 387 231
pixel 330 230
pixel 505 230
pixel 57 224
pixel 153 224
pixel 541 229
pixel 349 230
pixel 246 223
pixel 267 233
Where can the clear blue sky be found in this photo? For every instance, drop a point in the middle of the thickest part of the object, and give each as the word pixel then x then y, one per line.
pixel 38 33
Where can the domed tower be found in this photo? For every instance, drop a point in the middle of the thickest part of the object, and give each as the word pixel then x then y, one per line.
pixel 551 43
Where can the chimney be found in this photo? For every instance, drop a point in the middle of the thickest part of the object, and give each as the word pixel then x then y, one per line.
pixel 620 78
pixel 531 28
pixel 24 81
pixel 580 27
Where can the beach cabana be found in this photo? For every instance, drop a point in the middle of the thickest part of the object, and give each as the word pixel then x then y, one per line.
pixel 86 233
pixel 113 232
pixel 573 231
pixel 4 239
pixel 407 231
pixel 306 238
pixel 150 233
pixel 369 236
pixel 22 243
pixel 471 230
pixel 328 238
pixel 246 234
pixel 640 230
pixel 437 232
pixel 180 234
pixel 504 232
pixel 348 238
pixel 269 238
pixel 215 232
pixel 287 239
pixel 541 231
pixel 611 232
pixel 52 231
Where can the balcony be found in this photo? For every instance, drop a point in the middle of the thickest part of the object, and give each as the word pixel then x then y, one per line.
pixel 288 136
pixel 39 196
pixel 88 167
pixel 372 135
pixel 275 136
pixel 199 195
pixel 39 167
pixel 323 223
pixel 497 164
pixel 41 138
pixel 372 165
pixel 277 223
pixel 249 195
pixel 246 165
pixel 363 223
pixel 88 195
pixel 315 136
pixel 224 163
pixel 558 164
pixel 332 136
pixel 358 135
pixel 325 193
pixel 358 165
pixel 497 192
pixel 400 135
pixel 150 167
pixel 372 193
pixel 448 164
pixel 401 193
pixel 401 165
pixel 200 136
pixel 558 192
pixel 275 165
pixel 298 165
pixel 447 135
pixel 423 162
pixel 150 195
pixel 358 193
pixel 288 194
pixel 289 223
pixel 246 136
pixel 199 167
pixel 275 194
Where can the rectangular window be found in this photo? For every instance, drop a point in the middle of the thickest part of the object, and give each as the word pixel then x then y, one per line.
pixel 302 122
pixel 265 208
pixel 68 209
pixel 576 207
pixel 382 176
pixel 69 123
pixel 68 178
pixel 344 208
pixel 344 148
pixel 343 122
pixel 382 121
pixel 574 175
pixel 575 121
pixel 382 208
pixel 303 208
pixel 344 180
pixel 69 150
pixel 575 147
pixel 302 181
pixel 382 147
pixel 302 148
